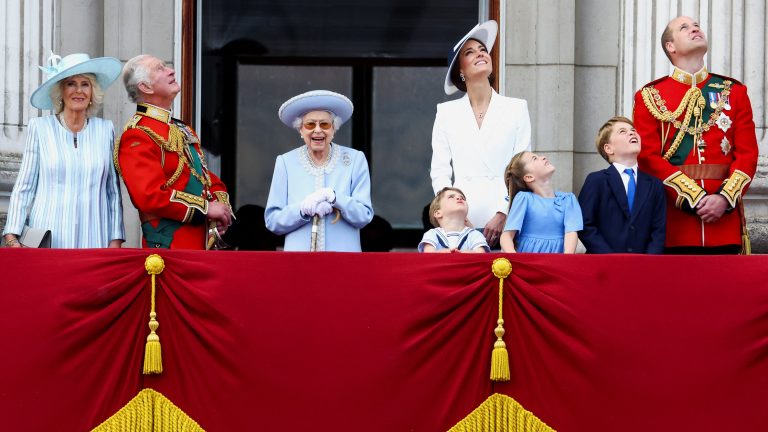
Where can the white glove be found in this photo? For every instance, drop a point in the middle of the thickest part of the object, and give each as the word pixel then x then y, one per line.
pixel 327 194
pixel 309 205
pixel 324 208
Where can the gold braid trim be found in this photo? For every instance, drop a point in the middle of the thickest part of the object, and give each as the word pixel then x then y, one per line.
pixel 149 411
pixel 115 159
pixel 734 186
pixel 686 188
pixel 692 104
pixel 501 413
pixel 190 200
pixel 178 145
pixel 223 198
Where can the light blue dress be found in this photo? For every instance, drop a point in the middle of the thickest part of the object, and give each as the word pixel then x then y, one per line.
pixel 541 223
pixel 295 177
pixel 466 240
pixel 74 192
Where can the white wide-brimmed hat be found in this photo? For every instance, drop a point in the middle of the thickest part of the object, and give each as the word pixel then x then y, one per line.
pixel 315 100
pixel 485 33
pixel 106 69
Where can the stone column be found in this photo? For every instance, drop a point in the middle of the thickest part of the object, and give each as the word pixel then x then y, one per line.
pixel 25 42
pixel 737 48
pixel 130 29
pixel 539 46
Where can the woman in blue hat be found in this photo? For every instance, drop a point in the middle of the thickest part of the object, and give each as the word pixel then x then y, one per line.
pixel 67 182
pixel 474 137
pixel 320 186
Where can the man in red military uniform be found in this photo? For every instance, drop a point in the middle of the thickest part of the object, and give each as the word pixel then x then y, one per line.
pixel 163 165
pixel 698 137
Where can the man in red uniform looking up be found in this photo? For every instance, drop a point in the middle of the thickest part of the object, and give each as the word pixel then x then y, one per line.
pixel 163 165
pixel 698 137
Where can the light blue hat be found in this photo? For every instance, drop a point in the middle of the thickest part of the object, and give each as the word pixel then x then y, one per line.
pixel 315 100
pixel 485 33
pixel 106 69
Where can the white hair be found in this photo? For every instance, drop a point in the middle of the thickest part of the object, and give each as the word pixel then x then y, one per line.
pixel 336 120
pixel 135 72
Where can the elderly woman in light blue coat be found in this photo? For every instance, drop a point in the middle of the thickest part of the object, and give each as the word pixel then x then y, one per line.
pixel 320 180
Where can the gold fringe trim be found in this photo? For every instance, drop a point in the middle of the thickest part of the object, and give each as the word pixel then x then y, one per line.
pixel 149 411
pixel 153 358
pixel 501 413
pixel 500 357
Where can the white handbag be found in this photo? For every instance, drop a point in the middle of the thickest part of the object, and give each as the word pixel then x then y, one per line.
pixel 35 237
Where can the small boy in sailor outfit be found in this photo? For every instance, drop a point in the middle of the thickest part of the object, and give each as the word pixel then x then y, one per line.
pixel 448 213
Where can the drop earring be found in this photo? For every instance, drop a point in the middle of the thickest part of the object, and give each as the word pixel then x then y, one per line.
pixel 461 75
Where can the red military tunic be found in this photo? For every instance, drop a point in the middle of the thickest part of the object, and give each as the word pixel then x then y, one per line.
pixel 717 153
pixel 156 161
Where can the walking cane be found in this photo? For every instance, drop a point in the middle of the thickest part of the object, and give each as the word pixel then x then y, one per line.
pixel 315 225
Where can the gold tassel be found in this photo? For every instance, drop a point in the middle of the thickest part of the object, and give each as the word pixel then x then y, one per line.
pixel 153 358
pixel 500 357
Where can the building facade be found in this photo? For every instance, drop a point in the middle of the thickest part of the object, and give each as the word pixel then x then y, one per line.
pixel 576 63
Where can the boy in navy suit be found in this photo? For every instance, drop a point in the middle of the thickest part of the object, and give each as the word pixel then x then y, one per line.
pixel 624 209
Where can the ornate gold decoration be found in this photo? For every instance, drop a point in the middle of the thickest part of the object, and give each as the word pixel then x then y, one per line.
pixel 501 268
pixel 223 198
pixel 686 188
pixel 692 105
pixel 190 200
pixel 689 78
pixel 734 185
pixel 176 143
pixel 153 360
pixel 149 411
pixel 155 112
pixel 501 413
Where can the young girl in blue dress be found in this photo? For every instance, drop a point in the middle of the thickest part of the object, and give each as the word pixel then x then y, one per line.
pixel 540 218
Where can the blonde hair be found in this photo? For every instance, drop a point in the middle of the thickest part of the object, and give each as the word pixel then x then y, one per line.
pixel 604 134
pixel 513 177
pixel 97 95
pixel 435 204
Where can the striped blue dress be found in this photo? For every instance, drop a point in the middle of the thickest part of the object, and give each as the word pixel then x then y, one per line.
pixel 74 192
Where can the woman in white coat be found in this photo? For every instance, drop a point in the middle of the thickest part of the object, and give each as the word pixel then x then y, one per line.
pixel 474 137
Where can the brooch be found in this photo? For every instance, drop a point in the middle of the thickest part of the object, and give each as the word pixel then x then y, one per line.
pixel 725 146
pixel 724 122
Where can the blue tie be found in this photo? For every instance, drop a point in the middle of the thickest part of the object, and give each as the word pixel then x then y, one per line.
pixel 630 187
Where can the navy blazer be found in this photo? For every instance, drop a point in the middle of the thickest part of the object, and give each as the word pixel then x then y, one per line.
pixel 608 225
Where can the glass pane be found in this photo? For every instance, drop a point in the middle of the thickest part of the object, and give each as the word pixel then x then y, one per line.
pixel 261 136
pixel 338 28
pixel 404 100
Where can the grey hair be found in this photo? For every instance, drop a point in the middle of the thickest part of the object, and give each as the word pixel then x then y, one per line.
pixel 336 120
pixel 135 73
pixel 97 95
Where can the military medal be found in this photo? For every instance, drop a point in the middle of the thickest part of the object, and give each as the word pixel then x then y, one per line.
pixel 724 122
pixel 701 144
pixel 727 104
pixel 725 146
pixel 714 98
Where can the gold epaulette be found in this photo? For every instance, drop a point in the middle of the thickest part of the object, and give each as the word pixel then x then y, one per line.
pixel 132 122
pixel 734 186
pixel 687 189
pixel 116 148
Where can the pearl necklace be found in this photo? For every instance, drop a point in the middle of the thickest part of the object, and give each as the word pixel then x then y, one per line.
pixel 64 123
